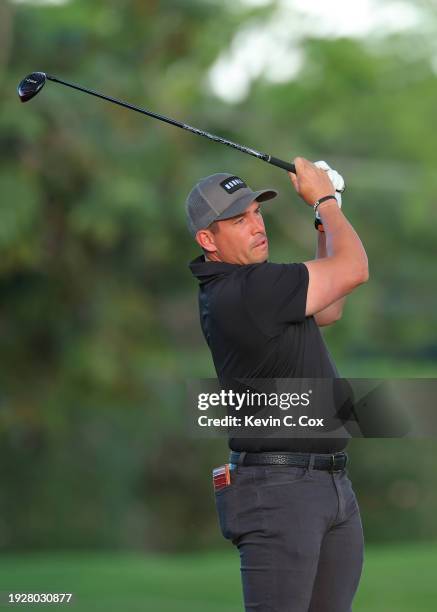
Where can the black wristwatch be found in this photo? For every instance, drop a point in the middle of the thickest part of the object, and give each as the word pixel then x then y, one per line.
pixel 318 225
pixel 317 222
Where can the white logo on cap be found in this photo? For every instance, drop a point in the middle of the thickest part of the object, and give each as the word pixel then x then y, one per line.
pixel 232 184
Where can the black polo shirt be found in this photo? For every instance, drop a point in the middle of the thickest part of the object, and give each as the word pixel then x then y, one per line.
pixel 253 319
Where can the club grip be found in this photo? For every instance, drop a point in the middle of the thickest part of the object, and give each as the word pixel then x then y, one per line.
pixel 282 164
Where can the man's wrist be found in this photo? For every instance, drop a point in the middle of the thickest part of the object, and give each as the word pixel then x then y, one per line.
pixel 323 203
pixel 324 200
pixel 327 205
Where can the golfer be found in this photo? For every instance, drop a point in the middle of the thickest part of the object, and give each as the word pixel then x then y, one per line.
pixel 286 504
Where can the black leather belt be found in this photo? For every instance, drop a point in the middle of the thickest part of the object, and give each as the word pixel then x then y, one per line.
pixel 333 463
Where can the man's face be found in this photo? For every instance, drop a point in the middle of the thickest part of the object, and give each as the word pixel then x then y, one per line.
pixel 239 240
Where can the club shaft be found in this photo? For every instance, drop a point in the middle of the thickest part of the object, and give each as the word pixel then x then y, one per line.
pixel 264 156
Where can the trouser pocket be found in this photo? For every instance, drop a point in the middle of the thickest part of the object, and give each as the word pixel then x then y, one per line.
pixel 237 505
pixel 225 501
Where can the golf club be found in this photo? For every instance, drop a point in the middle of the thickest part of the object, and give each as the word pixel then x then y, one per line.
pixel 31 85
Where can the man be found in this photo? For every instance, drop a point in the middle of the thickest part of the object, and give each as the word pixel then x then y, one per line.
pixel 289 505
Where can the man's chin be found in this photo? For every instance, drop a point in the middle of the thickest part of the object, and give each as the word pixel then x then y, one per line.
pixel 260 257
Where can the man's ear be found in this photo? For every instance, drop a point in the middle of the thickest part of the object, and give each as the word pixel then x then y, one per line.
pixel 205 239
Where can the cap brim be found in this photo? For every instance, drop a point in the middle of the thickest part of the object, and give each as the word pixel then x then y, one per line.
pixel 240 205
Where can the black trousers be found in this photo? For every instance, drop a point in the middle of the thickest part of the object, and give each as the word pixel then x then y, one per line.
pixel 299 534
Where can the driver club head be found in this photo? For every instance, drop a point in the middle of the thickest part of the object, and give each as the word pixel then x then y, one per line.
pixel 31 85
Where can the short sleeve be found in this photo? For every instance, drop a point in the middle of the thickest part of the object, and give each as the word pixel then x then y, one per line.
pixel 275 294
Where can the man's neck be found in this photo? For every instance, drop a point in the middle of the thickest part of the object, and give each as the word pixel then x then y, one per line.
pixel 212 260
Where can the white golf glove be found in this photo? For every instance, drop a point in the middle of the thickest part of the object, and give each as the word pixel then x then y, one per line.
pixel 336 179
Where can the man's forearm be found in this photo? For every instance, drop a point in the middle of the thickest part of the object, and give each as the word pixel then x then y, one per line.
pixel 333 312
pixel 342 242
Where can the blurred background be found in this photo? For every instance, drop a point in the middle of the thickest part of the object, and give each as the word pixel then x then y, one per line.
pixel 102 494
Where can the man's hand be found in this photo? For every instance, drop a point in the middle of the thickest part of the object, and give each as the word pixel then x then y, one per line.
pixel 339 185
pixel 336 179
pixel 310 182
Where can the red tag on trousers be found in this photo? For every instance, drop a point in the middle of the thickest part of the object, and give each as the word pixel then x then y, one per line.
pixel 221 477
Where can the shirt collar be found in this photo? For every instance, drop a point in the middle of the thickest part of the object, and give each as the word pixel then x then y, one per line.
pixel 201 268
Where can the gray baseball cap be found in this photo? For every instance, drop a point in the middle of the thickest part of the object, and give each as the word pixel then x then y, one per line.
pixel 220 196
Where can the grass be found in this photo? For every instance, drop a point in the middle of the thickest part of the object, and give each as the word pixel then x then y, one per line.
pixel 397 578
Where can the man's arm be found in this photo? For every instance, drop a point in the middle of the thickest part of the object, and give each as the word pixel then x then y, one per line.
pixel 331 313
pixel 345 266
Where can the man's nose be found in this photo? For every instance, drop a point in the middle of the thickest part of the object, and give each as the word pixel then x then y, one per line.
pixel 257 224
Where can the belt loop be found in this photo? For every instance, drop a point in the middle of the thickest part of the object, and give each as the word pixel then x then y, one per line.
pixel 332 466
pixel 311 461
pixel 241 457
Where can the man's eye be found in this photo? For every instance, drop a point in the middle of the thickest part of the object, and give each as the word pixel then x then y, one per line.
pixel 240 220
